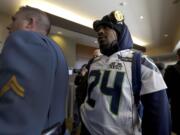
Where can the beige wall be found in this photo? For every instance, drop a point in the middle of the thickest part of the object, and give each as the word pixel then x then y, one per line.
pixel 68 46
pixel 157 51
pixel 4 21
pixel 83 54
pixel 84 51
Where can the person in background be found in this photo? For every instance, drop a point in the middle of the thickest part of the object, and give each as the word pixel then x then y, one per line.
pixel 81 83
pixel 110 107
pixel 33 76
pixel 161 67
pixel 81 79
pixel 172 79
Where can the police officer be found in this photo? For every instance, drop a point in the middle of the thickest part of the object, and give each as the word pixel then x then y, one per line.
pixel 33 76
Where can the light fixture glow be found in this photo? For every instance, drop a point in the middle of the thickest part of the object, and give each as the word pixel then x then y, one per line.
pixel 59 40
pixel 51 8
pixel 139 42
pixel 59 32
pixel 177 46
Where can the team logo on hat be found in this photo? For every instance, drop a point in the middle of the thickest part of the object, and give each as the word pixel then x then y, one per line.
pixel 118 16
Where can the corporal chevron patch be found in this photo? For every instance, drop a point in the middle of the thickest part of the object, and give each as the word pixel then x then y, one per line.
pixel 13 85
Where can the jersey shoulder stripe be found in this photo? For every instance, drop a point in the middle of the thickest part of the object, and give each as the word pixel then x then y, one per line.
pixel 147 62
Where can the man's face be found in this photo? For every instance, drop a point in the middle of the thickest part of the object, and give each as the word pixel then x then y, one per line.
pixel 18 23
pixel 106 36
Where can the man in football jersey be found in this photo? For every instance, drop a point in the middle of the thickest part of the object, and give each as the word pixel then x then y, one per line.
pixel 33 77
pixel 110 107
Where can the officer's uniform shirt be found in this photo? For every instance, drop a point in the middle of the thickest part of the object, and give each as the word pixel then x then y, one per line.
pixel 109 108
pixel 33 84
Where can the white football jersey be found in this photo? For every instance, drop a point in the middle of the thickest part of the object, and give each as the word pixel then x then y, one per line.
pixel 109 108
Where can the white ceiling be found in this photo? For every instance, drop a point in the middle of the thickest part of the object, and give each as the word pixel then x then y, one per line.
pixel 160 16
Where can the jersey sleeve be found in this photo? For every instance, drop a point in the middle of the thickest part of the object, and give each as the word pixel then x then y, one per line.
pixel 152 80
pixel 25 84
pixel 156 118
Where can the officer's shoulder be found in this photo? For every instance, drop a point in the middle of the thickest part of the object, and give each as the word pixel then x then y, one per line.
pixel 23 35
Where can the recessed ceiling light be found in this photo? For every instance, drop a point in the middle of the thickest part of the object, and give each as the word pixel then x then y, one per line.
pixel 141 17
pixel 166 35
pixel 123 3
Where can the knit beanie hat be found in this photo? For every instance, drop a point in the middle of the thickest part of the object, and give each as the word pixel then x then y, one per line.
pixel 114 20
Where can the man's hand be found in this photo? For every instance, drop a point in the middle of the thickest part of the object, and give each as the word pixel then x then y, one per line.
pixel 84 71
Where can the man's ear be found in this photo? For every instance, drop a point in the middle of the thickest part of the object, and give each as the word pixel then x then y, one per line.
pixel 31 23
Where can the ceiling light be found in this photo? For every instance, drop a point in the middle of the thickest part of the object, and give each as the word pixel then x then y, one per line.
pixel 141 17
pixel 166 35
pixel 123 3
pixel 59 32
pixel 95 41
